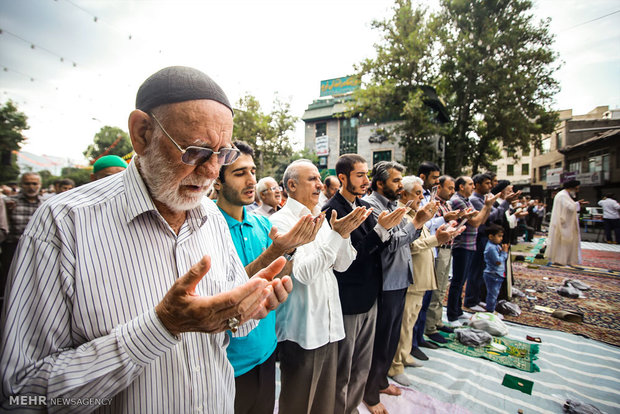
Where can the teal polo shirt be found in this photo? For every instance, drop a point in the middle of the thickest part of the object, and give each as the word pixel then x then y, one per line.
pixel 251 238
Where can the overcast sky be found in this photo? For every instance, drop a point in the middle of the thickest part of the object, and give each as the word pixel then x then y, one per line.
pixel 258 47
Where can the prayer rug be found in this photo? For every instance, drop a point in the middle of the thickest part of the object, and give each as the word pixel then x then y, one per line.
pixel 517 354
pixel 600 305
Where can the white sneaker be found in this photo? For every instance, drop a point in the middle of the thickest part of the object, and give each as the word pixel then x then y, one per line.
pixel 483 304
pixel 455 324
pixel 478 308
pixel 465 315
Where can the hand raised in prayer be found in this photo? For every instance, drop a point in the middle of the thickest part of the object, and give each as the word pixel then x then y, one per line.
pixel 505 247
pixel 387 220
pixel 489 199
pixel 350 222
pixel 303 232
pixel 182 310
pixel 425 214
pixel 447 232
pixel 513 196
pixel 452 215
pixel 582 202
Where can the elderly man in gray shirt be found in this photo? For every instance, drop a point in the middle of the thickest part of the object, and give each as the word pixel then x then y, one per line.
pixel 397 276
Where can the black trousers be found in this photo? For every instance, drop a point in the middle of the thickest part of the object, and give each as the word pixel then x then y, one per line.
pixel 256 389
pixel 612 224
pixel 389 319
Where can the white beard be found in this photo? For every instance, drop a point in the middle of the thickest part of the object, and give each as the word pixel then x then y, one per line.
pixel 157 170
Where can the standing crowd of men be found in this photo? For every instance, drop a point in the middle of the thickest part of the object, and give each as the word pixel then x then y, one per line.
pixel 138 293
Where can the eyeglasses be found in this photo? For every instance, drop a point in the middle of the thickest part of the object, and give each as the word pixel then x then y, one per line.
pixel 273 189
pixel 193 155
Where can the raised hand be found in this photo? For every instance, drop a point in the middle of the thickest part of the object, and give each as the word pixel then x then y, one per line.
pixel 425 214
pixel 489 199
pixel 350 222
pixel 387 220
pixel 182 310
pixel 303 232
pixel 505 247
pixel 452 215
pixel 513 196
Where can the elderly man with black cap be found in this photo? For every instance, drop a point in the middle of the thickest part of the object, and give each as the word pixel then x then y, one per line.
pixel 121 290
pixel 563 244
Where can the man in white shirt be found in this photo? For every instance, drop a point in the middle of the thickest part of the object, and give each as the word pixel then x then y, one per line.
pixel 270 195
pixel 310 325
pixel 611 217
pixel 121 289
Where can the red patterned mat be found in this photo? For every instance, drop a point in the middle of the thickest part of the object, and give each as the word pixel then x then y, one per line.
pixel 601 305
pixel 602 259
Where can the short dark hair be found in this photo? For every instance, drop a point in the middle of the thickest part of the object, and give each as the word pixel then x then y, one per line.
pixel 428 167
pixel 459 182
pixel 493 229
pixel 480 178
pixel 346 162
pixel 381 172
pixel 491 174
pixel 244 148
pixel 65 181
pixel 444 178
pixel 328 180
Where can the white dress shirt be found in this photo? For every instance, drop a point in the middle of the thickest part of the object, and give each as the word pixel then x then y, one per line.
pixel 611 208
pixel 79 319
pixel 312 315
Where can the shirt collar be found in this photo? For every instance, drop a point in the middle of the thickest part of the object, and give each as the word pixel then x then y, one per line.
pixel 299 209
pixel 231 222
pixel 139 200
pixel 385 201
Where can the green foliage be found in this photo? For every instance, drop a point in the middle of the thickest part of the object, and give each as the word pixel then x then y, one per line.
pixel 78 175
pixel 497 77
pixel 268 133
pixel 405 62
pixel 103 141
pixel 490 61
pixel 12 123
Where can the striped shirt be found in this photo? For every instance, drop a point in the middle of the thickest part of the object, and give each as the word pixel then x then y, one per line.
pixel 79 319
pixel 467 239
pixel 19 215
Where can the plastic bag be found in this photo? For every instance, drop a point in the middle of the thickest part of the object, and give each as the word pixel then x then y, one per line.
pixel 473 337
pixel 490 323
pixel 573 406
pixel 517 292
pixel 569 292
pixel 577 284
pixel 508 308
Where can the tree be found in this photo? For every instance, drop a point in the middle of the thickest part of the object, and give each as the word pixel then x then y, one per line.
pixel 12 125
pixel 109 141
pixel 78 175
pixel 497 76
pixel 268 134
pixel 395 81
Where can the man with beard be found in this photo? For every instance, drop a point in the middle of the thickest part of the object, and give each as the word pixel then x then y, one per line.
pixel 309 325
pixel 358 286
pixel 475 282
pixel 121 289
pixel 19 211
pixel 253 356
pixel 564 242
pixel 397 269
pixel 464 246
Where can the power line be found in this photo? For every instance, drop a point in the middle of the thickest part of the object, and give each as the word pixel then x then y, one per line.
pixel 590 21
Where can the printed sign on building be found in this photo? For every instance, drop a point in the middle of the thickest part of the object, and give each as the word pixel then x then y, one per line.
pixel 322 145
pixel 553 177
pixel 339 86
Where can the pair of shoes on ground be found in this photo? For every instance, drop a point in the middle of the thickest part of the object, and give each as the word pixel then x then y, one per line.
pixel 568 316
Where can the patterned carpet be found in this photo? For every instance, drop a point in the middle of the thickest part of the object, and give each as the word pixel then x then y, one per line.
pixel 601 304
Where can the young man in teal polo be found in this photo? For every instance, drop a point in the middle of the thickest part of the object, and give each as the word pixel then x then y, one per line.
pixel 257 243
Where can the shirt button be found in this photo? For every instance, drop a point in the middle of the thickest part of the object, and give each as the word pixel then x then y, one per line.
pixel 245 238
pixel 197 368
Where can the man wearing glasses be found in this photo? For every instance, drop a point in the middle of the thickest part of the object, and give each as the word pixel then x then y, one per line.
pixel 270 195
pixel 120 291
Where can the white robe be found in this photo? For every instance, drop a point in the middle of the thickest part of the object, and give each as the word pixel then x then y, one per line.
pixel 563 244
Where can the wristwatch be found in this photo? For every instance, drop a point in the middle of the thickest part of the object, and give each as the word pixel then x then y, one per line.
pixel 289 256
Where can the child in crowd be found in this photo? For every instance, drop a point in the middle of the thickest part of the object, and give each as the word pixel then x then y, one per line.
pixel 495 255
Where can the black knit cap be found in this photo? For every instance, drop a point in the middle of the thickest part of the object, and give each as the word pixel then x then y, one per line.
pixel 571 184
pixel 178 84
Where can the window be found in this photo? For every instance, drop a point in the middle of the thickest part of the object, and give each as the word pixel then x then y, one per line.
pixel 493 168
pixel 510 169
pixel 381 156
pixel 558 140
pixel 558 164
pixel 542 172
pixel 525 169
pixel 321 129
pixel 575 166
pixel 348 136
pixel 546 145
pixel 526 152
